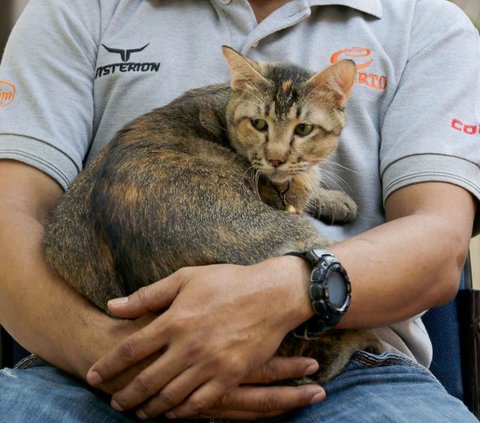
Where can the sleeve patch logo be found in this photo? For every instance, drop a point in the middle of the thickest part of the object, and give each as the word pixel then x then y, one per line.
pixel 7 93
pixel 460 126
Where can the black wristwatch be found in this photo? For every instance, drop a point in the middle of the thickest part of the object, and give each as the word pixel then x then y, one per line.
pixel 330 293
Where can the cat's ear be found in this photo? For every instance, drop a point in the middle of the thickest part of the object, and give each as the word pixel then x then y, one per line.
pixel 242 70
pixel 337 80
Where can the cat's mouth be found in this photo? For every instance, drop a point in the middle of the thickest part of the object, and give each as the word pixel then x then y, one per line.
pixel 276 175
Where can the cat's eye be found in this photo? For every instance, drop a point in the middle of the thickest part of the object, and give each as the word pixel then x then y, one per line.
pixel 303 129
pixel 259 124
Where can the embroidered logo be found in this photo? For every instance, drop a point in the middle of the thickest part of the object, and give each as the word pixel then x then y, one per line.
pixel 126 66
pixel 363 59
pixel 460 126
pixel 7 93
pixel 125 54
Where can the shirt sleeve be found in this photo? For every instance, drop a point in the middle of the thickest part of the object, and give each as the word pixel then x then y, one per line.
pixel 431 131
pixel 46 87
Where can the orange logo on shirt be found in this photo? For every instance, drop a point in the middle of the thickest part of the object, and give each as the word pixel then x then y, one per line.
pixel 362 58
pixel 7 93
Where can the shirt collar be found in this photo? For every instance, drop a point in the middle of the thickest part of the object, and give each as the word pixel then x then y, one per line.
pixel 372 7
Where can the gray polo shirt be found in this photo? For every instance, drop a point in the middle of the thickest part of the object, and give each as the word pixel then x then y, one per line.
pixel 74 72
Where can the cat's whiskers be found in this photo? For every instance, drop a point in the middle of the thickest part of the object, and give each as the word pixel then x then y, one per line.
pixel 255 183
pixel 335 180
pixel 297 168
pixel 254 176
pixel 333 176
pixel 249 169
pixel 329 162
pixel 216 125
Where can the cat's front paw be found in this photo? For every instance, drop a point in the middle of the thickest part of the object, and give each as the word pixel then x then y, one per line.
pixel 335 207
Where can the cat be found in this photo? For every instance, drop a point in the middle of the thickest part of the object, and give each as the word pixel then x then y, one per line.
pixel 223 174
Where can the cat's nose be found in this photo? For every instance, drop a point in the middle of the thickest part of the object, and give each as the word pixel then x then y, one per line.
pixel 276 163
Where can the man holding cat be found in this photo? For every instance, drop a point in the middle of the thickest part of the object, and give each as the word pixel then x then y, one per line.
pixel 411 177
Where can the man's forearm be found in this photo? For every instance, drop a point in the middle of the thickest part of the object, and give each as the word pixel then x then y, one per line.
pixel 42 312
pixel 411 263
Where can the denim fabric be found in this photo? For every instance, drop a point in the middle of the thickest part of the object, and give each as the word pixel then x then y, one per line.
pixel 386 388
pixel 36 392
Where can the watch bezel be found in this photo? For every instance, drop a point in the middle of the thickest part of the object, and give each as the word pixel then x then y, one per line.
pixel 327 315
pixel 323 283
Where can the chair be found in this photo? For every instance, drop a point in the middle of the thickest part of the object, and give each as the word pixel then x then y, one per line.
pixel 455 333
pixel 453 328
pixel 10 351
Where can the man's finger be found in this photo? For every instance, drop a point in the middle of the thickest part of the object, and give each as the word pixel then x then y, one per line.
pixel 282 368
pixel 150 298
pixel 200 400
pixel 162 386
pixel 149 340
pixel 238 415
pixel 252 402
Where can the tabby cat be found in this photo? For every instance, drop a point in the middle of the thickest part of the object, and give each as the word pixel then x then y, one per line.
pixel 220 175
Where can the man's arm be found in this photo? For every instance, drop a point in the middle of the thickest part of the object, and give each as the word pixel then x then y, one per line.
pixel 398 270
pixel 414 261
pixel 42 312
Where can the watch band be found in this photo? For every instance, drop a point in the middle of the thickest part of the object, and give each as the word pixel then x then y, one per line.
pixel 327 315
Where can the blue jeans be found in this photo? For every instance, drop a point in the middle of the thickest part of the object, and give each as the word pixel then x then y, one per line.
pixel 386 388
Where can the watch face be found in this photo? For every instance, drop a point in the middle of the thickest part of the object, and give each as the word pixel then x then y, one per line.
pixel 337 289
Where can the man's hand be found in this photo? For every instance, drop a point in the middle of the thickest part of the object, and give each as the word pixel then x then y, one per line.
pixel 252 401
pixel 222 323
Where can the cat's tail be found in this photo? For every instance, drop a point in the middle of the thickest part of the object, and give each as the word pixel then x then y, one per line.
pixel 332 350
